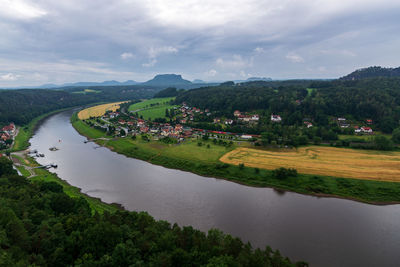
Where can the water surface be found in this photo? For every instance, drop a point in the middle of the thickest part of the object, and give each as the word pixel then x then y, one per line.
pixel 321 231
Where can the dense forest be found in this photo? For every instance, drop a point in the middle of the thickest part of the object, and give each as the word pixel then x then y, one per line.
pixel 42 226
pixel 169 92
pixel 319 101
pixel 372 72
pixel 21 106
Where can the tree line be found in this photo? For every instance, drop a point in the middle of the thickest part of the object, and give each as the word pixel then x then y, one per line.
pixel 21 106
pixel 40 225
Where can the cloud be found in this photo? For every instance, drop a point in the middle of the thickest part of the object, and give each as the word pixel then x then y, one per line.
pixel 294 58
pixel 211 73
pixel 154 52
pixel 19 9
pixel 74 39
pixel 235 62
pixel 9 77
pixel 259 50
pixel 126 55
pixel 151 63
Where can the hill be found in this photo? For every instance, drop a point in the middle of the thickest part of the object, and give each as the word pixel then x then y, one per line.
pixel 167 80
pixel 372 72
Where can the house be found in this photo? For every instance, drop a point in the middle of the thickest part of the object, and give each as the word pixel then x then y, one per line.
pixel 369 121
pixel 140 123
pixel 178 128
pixel 217 120
pixel 341 119
pixel 206 110
pixel 244 118
pixel 276 118
pixel 236 113
pixel 10 129
pixel 308 124
pixel 246 136
pixel 228 122
pixel 183 121
pixel 366 130
pixel 255 117
pixel 144 129
pixel 5 136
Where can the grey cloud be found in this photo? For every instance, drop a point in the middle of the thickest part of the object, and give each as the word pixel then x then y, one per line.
pixel 67 41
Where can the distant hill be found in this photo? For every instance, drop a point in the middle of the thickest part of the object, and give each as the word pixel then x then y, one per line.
pixel 167 80
pixel 254 79
pixel 372 72
pixel 159 81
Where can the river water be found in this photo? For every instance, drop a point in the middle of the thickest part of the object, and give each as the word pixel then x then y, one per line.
pixel 321 231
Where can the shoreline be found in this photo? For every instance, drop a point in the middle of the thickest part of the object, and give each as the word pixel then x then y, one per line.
pixel 169 163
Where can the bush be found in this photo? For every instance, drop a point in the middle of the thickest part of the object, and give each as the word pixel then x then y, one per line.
pixel 241 166
pixel 282 173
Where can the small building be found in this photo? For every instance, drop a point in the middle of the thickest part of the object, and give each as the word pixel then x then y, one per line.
pixel 308 124
pixel 229 122
pixel 276 118
pixel 255 117
pixel 366 130
pixel 369 121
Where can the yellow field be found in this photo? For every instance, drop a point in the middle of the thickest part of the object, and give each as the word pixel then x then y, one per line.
pixel 98 111
pixel 330 161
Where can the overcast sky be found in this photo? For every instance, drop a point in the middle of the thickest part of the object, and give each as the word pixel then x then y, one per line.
pixel 49 41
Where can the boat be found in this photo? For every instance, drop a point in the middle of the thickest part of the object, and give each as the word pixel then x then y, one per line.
pixel 53 148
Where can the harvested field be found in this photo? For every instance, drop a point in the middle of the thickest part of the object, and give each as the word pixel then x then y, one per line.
pixel 329 161
pixel 98 111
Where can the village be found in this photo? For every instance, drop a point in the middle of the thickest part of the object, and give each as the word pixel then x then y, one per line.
pixel 7 135
pixel 123 124
pixel 180 126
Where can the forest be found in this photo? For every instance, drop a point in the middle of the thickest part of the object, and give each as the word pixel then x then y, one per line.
pixel 42 226
pixel 319 101
pixel 372 72
pixel 21 106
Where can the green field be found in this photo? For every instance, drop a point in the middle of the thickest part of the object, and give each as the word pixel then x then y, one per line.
pixel 87 91
pixel 81 127
pixel 153 108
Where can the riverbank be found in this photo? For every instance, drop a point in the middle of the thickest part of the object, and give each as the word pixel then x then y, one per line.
pixel 28 168
pixel 27 165
pixel 204 160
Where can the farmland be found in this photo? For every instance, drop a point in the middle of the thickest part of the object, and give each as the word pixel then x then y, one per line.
pixel 330 161
pixel 153 108
pixel 98 111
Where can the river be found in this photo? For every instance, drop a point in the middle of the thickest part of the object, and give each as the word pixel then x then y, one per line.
pixel 321 231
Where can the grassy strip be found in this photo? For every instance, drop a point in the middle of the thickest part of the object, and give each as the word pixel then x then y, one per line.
pixel 204 161
pixel 23 171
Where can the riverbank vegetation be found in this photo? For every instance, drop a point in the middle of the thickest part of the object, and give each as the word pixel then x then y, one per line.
pixel 202 157
pixel 28 168
pixel 41 225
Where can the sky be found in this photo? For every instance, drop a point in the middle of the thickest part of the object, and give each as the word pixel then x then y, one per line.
pixel 48 41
